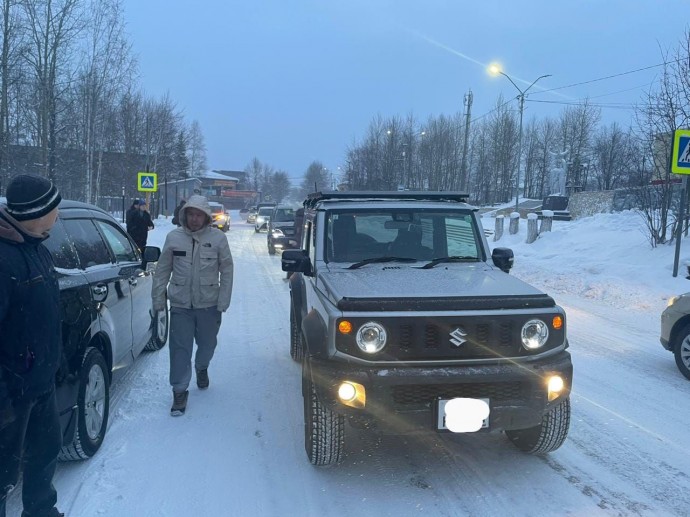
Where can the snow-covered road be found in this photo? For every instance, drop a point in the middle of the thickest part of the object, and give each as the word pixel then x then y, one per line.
pixel 239 449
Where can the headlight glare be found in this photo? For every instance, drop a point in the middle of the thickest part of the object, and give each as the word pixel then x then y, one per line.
pixel 534 334
pixel 371 337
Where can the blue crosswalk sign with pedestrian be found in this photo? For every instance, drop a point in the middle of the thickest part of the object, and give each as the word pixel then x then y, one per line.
pixel 147 182
pixel 680 162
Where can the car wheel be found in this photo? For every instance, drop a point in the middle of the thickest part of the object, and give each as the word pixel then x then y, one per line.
pixel 682 351
pixel 324 430
pixel 160 323
pixel 547 436
pixel 296 347
pixel 271 249
pixel 93 407
pixel 256 230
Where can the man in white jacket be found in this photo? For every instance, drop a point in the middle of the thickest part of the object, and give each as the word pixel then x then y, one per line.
pixel 195 270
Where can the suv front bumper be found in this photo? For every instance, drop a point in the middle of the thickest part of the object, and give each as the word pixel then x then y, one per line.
pixel 403 399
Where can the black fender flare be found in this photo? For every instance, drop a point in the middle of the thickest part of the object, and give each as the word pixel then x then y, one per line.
pixel 315 332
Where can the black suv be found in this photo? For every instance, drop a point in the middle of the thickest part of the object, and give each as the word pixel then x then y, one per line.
pixel 404 322
pixel 281 229
pixel 107 319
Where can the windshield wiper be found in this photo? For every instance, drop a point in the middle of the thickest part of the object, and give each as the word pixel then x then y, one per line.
pixel 452 258
pixel 374 260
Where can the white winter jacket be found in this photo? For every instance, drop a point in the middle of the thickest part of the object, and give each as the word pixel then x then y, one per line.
pixel 195 268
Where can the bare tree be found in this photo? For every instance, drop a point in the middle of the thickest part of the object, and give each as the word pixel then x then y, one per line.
pixel 53 27
pixel 196 150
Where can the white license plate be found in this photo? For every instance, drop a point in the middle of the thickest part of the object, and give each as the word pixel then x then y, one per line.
pixel 441 422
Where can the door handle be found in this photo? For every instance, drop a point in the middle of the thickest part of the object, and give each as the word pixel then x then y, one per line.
pixel 99 290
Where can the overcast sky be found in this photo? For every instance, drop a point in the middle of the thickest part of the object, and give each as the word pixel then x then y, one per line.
pixel 291 81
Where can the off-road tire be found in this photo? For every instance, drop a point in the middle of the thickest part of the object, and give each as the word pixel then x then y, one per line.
pixel 160 326
pixel 296 345
pixel 681 351
pixel 93 379
pixel 324 430
pixel 547 436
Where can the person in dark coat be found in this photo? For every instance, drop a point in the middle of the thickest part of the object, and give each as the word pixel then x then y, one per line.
pixel 131 212
pixel 140 224
pixel 176 213
pixel 30 346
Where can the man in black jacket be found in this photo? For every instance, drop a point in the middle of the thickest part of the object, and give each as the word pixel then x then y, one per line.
pixel 30 346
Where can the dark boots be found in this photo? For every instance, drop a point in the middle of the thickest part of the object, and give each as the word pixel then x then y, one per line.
pixel 202 381
pixel 179 403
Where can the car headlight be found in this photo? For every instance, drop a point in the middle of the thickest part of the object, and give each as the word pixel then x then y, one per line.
pixel 534 334
pixel 260 219
pixel 673 300
pixel 277 232
pixel 371 337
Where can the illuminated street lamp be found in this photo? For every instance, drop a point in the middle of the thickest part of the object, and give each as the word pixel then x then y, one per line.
pixel 495 69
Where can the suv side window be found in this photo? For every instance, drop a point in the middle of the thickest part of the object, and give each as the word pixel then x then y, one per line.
pixel 61 248
pixel 89 244
pixel 119 243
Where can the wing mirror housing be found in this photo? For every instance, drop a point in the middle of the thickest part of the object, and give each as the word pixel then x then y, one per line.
pixel 503 259
pixel 296 261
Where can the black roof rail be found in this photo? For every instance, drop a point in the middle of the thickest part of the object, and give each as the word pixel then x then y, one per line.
pixel 417 195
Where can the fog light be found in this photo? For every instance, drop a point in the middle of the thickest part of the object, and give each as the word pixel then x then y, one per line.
pixel 556 386
pixel 352 394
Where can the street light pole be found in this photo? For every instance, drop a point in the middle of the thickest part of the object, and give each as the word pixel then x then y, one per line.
pixel 495 69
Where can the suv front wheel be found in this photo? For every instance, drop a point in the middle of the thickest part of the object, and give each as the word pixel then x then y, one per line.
pixel 547 436
pixel 324 430
pixel 682 351
pixel 93 407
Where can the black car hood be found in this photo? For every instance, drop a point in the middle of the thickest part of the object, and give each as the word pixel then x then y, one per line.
pixel 392 286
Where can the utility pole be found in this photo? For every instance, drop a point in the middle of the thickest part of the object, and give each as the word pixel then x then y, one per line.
pixel 464 179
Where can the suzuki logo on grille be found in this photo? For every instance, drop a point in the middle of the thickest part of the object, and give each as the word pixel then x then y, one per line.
pixel 457 337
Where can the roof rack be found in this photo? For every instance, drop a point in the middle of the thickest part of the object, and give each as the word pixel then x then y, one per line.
pixel 417 195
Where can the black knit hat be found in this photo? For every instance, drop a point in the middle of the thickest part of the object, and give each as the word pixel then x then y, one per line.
pixel 31 197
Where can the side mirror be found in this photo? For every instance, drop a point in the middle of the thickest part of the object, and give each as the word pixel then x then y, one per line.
pixel 503 259
pixel 296 261
pixel 152 254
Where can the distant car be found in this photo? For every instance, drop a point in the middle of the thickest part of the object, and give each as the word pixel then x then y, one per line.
pixel 251 215
pixel 243 212
pixel 281 230
pixel 107 318
pixel 262 218
pixel 219 217
pixel 675 331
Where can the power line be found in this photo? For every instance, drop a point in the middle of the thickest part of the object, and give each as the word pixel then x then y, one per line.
pixel 609 76
pixel 610 105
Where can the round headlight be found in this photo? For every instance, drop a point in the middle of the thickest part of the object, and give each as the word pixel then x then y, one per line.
pixel 371 337
pixel 534 334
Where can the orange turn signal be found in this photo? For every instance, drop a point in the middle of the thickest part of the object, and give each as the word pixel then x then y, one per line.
pixel 557 322
pixel 345 327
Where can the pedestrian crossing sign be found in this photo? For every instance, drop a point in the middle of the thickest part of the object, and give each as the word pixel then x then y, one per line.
pixel 147 182
pixel 680 163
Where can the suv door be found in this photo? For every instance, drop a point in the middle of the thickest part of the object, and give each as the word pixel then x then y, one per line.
pixel 110 287
pixel 128 261
pixel 75 315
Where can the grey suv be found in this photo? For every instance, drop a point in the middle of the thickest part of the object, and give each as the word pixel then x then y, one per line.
pixel 404 322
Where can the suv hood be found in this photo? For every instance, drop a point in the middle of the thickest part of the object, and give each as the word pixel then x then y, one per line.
pixel 446 287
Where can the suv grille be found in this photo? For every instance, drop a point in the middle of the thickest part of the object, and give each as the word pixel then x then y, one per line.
pixel 450 338
pixel 422 394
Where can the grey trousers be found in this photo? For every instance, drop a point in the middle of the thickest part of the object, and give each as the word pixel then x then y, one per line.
pixel 187 326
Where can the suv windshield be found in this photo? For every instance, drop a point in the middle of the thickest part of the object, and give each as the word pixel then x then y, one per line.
pixel 404 234
pixel 283 215
pixel 217 209
pixel 266 211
